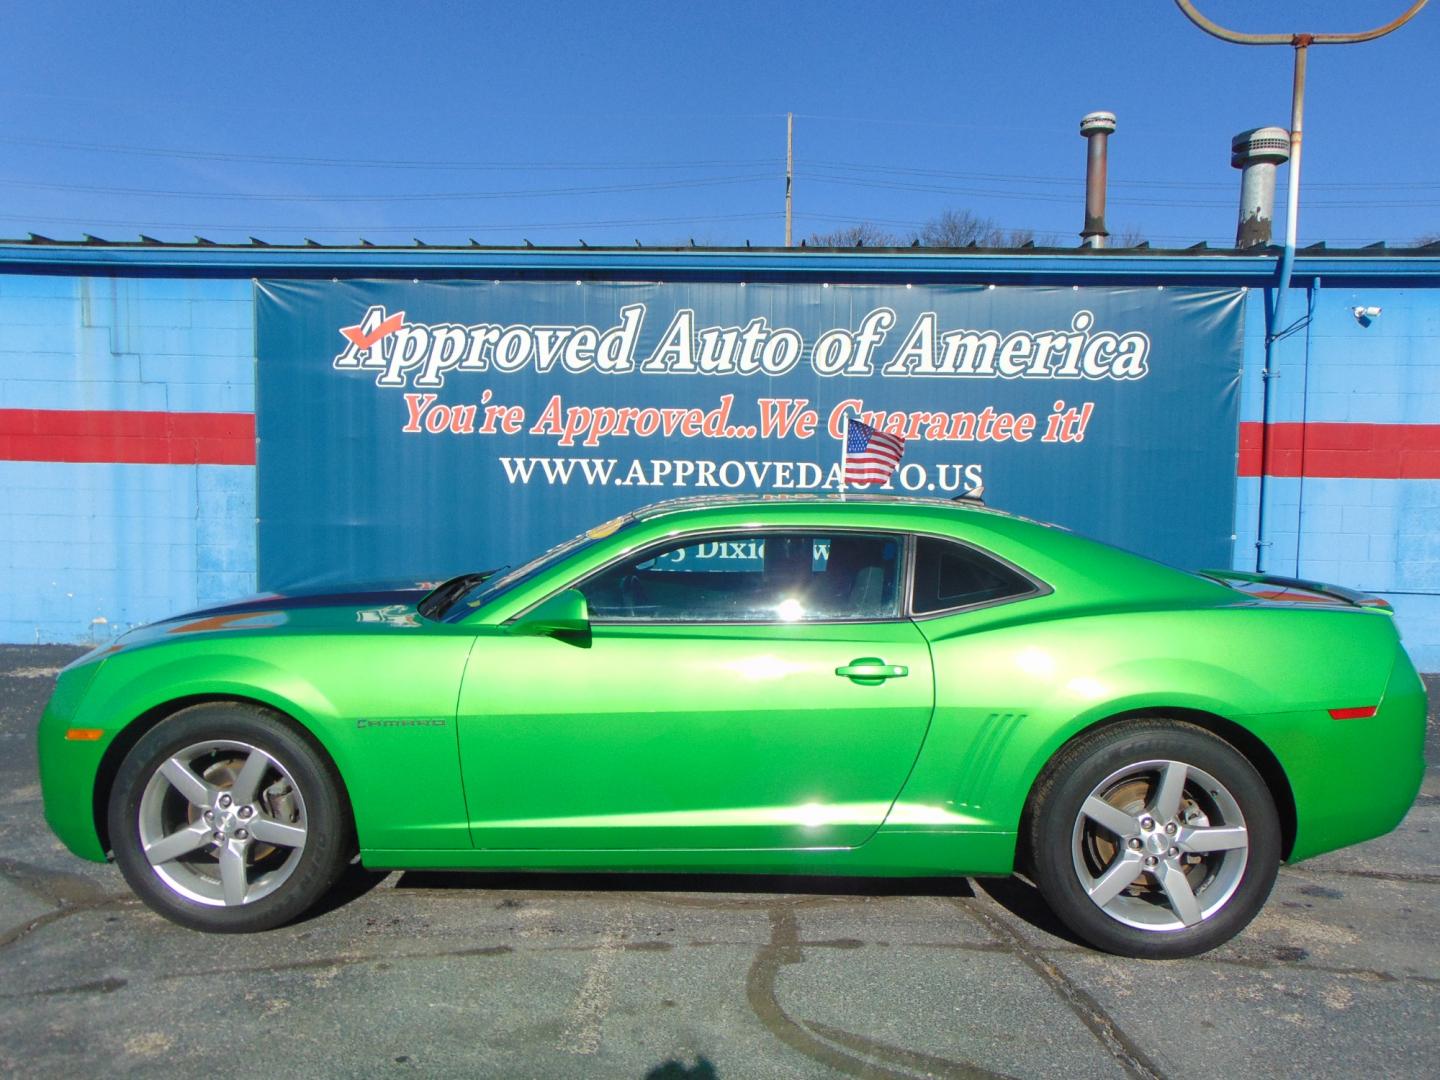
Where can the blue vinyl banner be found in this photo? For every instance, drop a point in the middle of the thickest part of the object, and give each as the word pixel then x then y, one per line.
pixel 418 430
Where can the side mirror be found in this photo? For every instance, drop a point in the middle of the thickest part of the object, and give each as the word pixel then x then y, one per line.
pixel 565 612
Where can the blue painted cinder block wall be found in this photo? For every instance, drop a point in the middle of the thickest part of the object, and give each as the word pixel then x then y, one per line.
pixel 1380 535
pixel 88 550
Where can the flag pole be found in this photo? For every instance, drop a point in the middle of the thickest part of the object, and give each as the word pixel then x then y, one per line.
pixel 845 447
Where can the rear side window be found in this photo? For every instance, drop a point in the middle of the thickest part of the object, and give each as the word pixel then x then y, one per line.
pixel 950 575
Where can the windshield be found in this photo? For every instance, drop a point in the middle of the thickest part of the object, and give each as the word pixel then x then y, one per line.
pixel 483 591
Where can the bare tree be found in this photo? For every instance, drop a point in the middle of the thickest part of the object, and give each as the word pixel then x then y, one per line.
pixel 863 234
pixel 961 228
pixel 1128 237
pixel 948 229
pixel 957 228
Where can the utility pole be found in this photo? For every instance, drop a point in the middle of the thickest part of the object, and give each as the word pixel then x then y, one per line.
pixel 789 171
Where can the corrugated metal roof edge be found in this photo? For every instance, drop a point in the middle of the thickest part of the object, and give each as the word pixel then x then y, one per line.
pixel 1198 263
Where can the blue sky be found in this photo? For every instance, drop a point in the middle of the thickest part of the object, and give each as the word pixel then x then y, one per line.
pixel 664 122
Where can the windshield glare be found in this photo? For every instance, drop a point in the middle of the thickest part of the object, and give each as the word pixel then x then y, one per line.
pixel 485 591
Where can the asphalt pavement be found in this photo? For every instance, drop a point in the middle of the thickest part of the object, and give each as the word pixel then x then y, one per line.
pixel 668 977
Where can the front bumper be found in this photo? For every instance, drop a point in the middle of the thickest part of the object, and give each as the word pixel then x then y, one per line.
pixel 69 769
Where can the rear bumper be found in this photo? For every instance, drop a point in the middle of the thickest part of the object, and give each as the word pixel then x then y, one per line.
pixel 1354 780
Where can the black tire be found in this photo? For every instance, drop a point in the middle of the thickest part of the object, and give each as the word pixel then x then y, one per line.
pixel 1062 842
pixel 287 877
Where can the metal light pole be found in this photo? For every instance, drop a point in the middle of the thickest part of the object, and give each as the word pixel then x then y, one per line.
pixel 1275 327
pixel 1301 44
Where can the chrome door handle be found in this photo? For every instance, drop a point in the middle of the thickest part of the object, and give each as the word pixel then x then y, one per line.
pixel 870 667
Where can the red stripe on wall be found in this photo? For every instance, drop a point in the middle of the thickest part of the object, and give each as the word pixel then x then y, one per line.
pixel 157 438
pixel 1361 451
pixel 1358 451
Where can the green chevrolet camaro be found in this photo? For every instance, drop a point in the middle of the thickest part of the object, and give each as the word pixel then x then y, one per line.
pixel 861 686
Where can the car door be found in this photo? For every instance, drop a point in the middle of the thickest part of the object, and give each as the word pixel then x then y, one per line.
pixel 752 689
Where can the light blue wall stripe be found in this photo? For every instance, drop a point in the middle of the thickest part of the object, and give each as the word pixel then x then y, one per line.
pixel 182 345
pixel 88 550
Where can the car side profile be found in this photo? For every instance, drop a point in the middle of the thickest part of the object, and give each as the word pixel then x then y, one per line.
pixel 865 685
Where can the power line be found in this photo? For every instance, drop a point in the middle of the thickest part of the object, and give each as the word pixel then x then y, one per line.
pixel 713 163
pixel 188 105
pixel 210 226
pixel 1079 181
pixel 812 220
pixel 912 122
pixel 1011 194
pixel 1220 241
pixel 1058 197
pixel 456 196
pixel 383 163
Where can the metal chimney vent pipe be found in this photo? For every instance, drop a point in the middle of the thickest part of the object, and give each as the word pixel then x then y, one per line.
pixel 1096 127
pixel 1256 154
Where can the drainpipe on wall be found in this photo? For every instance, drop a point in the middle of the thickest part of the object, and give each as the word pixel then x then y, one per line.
pixel 1312 293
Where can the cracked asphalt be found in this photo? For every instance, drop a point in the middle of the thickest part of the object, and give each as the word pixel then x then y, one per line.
pixel 666 978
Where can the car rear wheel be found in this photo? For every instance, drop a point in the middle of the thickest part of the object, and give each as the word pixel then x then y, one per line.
pixel 1153 838
pixel 224 818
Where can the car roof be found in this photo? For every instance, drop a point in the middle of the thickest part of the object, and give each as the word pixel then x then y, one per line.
pixel 691 503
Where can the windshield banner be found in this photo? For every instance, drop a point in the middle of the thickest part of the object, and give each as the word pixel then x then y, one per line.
pixel 418 430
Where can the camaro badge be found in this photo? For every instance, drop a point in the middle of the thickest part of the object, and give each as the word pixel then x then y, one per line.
pixel 390 615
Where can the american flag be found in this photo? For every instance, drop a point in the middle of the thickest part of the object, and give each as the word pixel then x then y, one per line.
pixel 870 456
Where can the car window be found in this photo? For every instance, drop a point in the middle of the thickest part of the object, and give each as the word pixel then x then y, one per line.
pixel 491 585
pixel 749 577
pixel 951 575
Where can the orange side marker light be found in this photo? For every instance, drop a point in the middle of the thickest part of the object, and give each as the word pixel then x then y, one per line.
pixel 84 734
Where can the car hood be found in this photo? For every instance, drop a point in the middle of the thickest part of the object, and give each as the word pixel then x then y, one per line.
pixel 373 605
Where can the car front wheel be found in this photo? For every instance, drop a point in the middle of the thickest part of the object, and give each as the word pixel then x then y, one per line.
pixel 1153 838
pixel 224 818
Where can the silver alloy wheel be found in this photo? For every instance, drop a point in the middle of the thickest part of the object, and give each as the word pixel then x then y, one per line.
pixel 1160 845
pixel 222 823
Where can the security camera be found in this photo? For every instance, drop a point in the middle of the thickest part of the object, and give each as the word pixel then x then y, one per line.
pixel 1365 314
